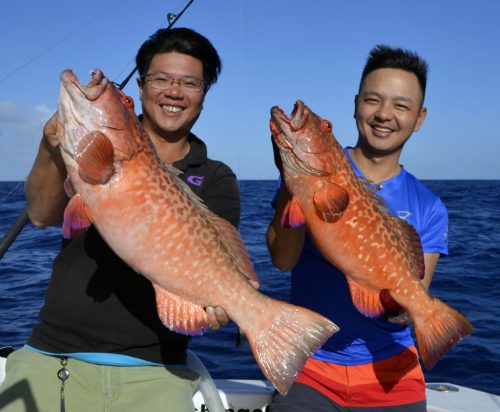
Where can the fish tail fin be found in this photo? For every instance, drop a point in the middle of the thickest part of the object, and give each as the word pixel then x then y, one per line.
pixel 439 330
pixel 282 348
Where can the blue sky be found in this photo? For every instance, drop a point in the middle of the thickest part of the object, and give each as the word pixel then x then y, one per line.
pixel 274 52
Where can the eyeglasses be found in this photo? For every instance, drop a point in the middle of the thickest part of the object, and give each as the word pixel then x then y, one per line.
pixel 162 81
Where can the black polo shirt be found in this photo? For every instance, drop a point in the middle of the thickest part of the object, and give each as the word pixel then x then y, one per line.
pixel 96 303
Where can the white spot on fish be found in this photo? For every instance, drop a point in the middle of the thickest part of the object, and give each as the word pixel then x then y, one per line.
pixel 393 274
pixel 352 223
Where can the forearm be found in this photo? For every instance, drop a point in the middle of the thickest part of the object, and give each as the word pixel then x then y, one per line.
pixel 430 260
pixel 44 187
pixel 284 244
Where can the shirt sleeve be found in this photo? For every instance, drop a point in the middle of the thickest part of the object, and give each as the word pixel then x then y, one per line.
pixel 434 236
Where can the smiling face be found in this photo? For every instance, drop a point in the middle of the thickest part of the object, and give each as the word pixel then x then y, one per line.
pixel 170 114
pixel 388 110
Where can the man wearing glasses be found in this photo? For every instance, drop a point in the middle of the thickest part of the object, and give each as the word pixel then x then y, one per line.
pixel 99 332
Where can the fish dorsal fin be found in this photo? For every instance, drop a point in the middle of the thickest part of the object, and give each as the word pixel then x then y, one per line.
pixel 76 218
pixel 229 236
pixel 95 156
pixel 412 246
pixel 172 169
pixel 373 193
pixel 406 234
pixel 231 240
pixel 366 301
pixel 331 200
pixel 292 214
pixel 179 315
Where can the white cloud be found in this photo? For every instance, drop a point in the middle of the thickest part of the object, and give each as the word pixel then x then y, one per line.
pixel 20 133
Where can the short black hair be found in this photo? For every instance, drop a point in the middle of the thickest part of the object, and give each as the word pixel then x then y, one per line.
pixel 385 57
pixel 185 41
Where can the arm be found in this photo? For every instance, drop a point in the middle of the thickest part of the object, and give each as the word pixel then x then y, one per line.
pixel 431 260
pixel 284 244
pixel 45 183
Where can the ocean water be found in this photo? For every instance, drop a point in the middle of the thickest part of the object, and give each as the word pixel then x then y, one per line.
pixel 468 279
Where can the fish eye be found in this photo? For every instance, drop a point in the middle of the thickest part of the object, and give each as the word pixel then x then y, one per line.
pixel 326 126
pixel 128 101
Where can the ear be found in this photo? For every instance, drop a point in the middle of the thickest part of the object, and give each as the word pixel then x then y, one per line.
pixel 420 120
pixel 355 104
pixel 139 84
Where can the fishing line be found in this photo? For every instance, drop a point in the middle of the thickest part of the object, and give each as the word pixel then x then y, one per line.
pixel 172 18
pixel 42 53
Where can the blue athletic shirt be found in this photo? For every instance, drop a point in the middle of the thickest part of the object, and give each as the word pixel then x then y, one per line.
pixel 317 285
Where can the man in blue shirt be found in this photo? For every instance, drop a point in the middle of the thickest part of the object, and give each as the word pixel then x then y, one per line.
pixel 371 364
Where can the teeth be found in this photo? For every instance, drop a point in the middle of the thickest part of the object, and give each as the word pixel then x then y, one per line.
pixel 383 129
pixel 171 109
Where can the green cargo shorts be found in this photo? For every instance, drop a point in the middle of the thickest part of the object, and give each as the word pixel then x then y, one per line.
pixel 31 384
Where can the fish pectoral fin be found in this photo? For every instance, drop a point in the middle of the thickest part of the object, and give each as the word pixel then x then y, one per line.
pixel 366 301
pixel 94 156
pixel 179 315
pixel 292 214
pixel 76 218
pixel 330 201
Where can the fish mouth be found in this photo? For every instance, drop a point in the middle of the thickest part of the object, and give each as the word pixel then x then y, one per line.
pixel 284 129
pixel 93 90
pixel 283 125
pixel 294 122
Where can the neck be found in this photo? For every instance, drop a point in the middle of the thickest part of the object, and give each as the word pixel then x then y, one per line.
pixel 171 151
pixel 170 147
pixel 377 169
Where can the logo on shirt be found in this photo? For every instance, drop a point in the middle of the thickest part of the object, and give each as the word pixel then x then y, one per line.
pixel 195 180
pixel 403 214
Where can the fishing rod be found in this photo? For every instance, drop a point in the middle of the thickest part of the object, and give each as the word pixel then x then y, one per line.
pixel 23 218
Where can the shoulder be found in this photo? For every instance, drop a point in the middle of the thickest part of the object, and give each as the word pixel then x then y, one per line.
pixel 422 194
pixel 431 215
pixel 218 169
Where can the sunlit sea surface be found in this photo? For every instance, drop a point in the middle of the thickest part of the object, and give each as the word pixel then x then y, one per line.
pixel 467 279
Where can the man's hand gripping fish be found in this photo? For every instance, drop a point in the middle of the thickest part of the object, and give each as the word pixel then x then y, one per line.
pixel 155 223
pixel 351 227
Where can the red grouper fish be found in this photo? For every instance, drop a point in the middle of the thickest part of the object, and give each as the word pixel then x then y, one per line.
pixel 351 227
pixel 161 229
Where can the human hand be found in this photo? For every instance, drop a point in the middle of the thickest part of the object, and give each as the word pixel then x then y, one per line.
pixel 50 133
pixel 216 317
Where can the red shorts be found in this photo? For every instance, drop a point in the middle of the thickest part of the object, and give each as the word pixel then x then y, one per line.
pixel 394 381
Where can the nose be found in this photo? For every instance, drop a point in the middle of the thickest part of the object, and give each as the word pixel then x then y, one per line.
pixel 383 112
pixel 174 88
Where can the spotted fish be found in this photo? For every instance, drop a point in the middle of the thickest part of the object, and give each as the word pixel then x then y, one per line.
pixel 155 223
pixel 349 224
